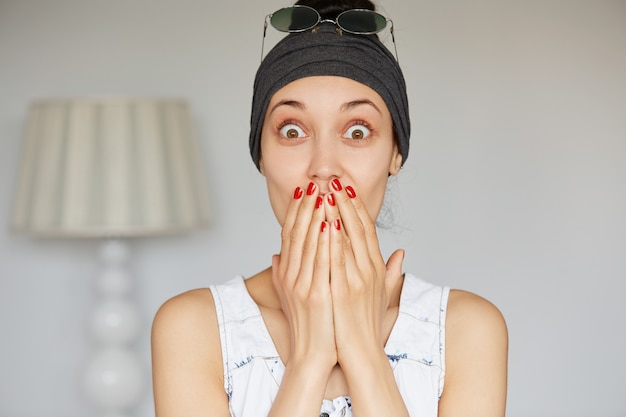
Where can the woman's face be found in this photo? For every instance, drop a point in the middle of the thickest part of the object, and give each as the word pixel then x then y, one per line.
pixel 325 127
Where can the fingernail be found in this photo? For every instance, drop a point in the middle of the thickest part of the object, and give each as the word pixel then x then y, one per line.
pixel 331 199
pixel 311 188
pixel 336 184
pixel 338 224
pixel 350 192
pixel 323 227
pixel 298 193
pixel 318 202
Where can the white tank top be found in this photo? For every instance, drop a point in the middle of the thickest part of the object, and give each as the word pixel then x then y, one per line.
pixel 253 369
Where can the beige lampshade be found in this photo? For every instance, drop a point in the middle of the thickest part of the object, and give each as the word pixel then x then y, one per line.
pixel 110 167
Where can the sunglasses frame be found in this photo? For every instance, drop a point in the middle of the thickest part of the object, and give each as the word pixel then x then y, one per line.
pixel 388 22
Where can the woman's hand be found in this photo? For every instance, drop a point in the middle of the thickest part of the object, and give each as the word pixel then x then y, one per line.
pixel 301 276
pixel 361 282
pixel 334 289
pixel 361 285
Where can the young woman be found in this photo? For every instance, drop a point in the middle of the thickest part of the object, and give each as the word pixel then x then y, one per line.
pixel 330 328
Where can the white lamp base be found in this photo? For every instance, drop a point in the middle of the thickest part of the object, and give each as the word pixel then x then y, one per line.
pixel 113 379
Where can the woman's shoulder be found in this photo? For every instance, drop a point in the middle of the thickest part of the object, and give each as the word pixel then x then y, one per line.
pixel 471 312
pixel 476 354
pixel 185 338
pixel 187 308
pixel 187 321
pixel 196 308
pixel 473 322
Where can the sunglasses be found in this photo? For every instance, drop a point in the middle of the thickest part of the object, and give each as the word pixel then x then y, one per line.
pixel 299 18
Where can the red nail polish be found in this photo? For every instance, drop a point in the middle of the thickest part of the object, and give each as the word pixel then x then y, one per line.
pixel 319 202
pixel 338 224
pixel 311 188
pixel 336 184
pixel 298 193
pixel 323 228
pixel 350 192
pixel 331 199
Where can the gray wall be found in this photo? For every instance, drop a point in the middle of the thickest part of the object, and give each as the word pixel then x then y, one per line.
pixel 515 187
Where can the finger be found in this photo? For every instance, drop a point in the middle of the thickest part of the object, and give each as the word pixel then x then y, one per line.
pixel 321 273
pixel 310 246
pixel 338 275
pixel 275 260
pixel 369 224
pixel 357 224
pixel 290 219
pixel 276 276
pixel 298 233
pixel 275 268
pixel 393 276
pixel 341 240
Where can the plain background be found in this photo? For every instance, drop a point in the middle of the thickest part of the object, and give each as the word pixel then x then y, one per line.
pixel 515 187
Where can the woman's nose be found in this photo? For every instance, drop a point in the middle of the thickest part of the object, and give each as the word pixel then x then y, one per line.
pixel 325 161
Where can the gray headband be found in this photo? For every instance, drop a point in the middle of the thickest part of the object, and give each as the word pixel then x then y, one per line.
pixel 362 58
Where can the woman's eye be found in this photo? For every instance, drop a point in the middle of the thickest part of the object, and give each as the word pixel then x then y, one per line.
pixel 357 132
pixel 291 131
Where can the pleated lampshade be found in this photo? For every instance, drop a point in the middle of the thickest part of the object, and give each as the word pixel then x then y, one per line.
pixel 110 167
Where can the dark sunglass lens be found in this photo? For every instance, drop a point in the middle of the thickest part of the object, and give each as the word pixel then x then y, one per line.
pixel 295 19
pixel 361 21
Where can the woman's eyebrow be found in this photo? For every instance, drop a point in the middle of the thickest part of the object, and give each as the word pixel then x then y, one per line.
pixel 355 103
pixel 293 103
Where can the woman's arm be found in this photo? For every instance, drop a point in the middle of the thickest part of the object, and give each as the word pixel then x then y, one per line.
pixel 362 285
pixel 187 368
pixel 186 348
pixel 476 358
pixel 301 278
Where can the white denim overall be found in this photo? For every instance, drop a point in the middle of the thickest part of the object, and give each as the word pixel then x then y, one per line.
pixel 253 369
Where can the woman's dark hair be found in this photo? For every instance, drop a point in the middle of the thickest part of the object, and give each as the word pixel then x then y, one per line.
pixel 329 9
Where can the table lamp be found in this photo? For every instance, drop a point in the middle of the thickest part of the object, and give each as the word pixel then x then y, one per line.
pixel 110 168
